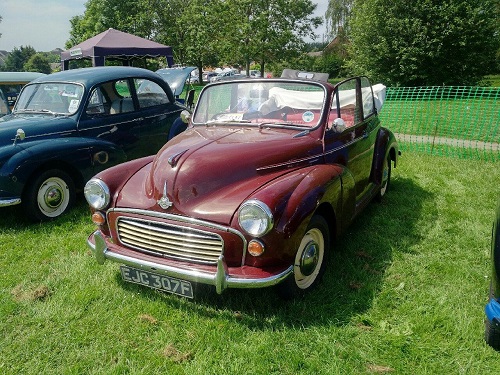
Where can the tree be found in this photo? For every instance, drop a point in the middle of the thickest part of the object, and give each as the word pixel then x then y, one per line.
pixel 38 63
pixel 266 30
pixel 424 42
pixel 130 16
pixel 338 15
pixel 194 29
pixel 17 58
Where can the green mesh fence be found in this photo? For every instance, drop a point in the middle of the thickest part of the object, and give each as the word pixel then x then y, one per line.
pixel 449 121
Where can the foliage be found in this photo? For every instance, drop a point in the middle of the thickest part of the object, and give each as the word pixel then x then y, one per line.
pixel 17 58
pixel 199 31
pixel 129 16
pixel 194 29
pixel 424 42
pixel 338 15
pixel 38 63
pixel 268 30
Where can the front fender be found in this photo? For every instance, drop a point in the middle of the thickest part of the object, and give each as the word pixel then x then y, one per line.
pixel 386 146
pixel 295 196
pixel 83 156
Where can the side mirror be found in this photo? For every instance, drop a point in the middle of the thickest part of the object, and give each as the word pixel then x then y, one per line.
pixel 20 135
pixel 185 116
pixel 338 125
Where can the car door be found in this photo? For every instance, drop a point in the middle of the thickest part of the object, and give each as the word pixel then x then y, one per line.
pixel 158 113
pixel 117 112
pixel 352 142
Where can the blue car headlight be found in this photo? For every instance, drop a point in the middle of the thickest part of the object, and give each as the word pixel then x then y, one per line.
pixel 255 218
pixel 97 194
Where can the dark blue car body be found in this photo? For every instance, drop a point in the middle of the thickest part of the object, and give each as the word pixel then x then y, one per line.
pixel 88 120
pixel 492 329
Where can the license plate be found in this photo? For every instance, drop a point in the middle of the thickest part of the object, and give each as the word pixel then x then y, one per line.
pixel 152 280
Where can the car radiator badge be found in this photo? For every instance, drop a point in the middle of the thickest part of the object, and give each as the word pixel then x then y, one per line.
pixel 164 202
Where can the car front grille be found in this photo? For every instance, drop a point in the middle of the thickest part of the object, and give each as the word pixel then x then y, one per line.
pixel 171 241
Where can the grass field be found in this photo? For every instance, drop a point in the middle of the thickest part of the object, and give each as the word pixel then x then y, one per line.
pixel 404 294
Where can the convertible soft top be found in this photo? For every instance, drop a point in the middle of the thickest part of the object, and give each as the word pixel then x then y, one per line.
pixel 280 98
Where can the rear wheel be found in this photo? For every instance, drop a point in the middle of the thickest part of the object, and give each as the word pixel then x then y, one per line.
pixel 310 260
pixel 386 178
pixel 50 195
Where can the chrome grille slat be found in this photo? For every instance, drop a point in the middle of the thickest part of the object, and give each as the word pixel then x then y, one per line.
pixel 170 239
pixel 177 242
pixel 165 246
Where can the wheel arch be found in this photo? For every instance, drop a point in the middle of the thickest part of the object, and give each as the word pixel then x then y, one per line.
pixel 71 170
pixel 319 192
pixel 385 147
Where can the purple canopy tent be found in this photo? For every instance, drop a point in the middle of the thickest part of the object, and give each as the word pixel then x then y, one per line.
pixel 117 45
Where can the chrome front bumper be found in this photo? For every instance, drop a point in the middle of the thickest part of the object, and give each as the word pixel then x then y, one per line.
pixel 221 279
pixel 9 202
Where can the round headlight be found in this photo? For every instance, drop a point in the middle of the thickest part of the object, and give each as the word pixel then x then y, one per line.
pixel 255 218
pixel 97 194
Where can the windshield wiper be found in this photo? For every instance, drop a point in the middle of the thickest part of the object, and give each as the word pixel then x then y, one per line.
pixel 228 122
pixel 281 124
pixel 43 110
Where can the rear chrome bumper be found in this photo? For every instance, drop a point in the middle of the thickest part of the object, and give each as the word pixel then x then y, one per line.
pixel 220 279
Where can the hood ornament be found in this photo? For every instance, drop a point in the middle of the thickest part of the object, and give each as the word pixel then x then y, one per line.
pixel 164 202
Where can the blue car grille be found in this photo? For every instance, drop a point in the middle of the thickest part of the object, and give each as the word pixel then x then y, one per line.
pixel 170 241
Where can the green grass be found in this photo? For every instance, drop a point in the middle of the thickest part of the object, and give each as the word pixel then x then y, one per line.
pixel 404 294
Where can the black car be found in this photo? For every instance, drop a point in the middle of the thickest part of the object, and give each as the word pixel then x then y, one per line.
pixel 492 322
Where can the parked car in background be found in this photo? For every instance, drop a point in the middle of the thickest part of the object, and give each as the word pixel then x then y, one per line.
pixel 492 322
pixel 230 74
pixel 176 78
pixel 11 84
pixel 253 193
pixel 67 126
pixel 206 77
pixel 255 74
pixel 192 79
pixel 4 105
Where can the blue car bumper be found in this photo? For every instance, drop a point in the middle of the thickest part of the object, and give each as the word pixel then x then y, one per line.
pixel 492 310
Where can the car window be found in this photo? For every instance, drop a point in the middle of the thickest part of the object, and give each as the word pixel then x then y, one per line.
pixel 344 104
pixel 98 102
pixel 120 95
pixel 367 97
pixel 149 93
pixel 287 103
pixel 50 97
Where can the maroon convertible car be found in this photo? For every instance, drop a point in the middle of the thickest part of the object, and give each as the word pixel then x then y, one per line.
pixel 253 193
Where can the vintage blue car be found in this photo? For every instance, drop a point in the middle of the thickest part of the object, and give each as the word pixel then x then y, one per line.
pixel 492 329
pixel 68 126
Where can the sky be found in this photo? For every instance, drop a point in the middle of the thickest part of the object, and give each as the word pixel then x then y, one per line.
pixel 44 24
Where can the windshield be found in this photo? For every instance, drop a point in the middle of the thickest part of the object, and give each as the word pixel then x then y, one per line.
pixel 50 97
pixel 263 102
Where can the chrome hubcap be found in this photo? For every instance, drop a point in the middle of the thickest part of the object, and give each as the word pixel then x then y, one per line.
pixel 53 197
pixel 309 259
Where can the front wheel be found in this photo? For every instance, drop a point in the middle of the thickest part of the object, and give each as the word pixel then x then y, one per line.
pixel 50 195
pixel 310 260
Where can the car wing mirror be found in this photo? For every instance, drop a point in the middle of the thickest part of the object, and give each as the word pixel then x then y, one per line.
pixel 185 116
pixel 20 135
pixel 338 125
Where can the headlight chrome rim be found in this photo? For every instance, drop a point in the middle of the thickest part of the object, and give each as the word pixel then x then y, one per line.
pixel 255 218
pixel 97 194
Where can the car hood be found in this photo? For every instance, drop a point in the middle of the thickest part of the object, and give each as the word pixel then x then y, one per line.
pixel 207 173
pixel 176 77
pixel 34 125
